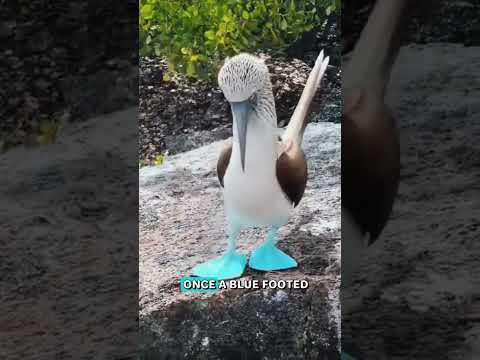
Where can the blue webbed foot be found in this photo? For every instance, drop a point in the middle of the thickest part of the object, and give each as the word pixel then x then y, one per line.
pixel 228 266
pixel 267 257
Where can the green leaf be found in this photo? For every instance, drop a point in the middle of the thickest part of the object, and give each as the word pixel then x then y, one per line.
pixel 244 40
pixel 146 11
pixel 210 34
pixel 159 160
pixel 191 69
pixel 196 35
pixel 48 132
pixel 157 50
pixel 231 27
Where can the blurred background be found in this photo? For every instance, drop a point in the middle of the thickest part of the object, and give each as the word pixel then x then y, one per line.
pixel 63 62
pixel 417 291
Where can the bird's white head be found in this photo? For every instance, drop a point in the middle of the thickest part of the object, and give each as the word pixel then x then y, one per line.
pixel 245 82
pixel 242 76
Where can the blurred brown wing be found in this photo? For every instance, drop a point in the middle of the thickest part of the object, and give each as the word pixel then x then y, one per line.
pixel 370 162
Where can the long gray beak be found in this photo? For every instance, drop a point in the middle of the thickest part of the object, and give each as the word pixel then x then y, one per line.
pixel 241 112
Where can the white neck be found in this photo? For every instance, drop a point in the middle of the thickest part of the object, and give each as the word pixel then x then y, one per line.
pixel 260 148
pixel 253 197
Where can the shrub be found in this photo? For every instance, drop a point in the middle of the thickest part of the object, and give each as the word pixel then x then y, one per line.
pixel 195 35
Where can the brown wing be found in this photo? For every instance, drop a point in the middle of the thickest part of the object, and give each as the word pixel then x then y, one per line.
pixel 370 163
pixel 292 173
pixel 223 160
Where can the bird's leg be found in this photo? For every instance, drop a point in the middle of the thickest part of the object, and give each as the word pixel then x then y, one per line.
pixel 267 257
pixel 228 266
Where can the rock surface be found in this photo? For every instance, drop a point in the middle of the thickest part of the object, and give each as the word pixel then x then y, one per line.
pixel 182 224
pixel 419 285
pixel 68 244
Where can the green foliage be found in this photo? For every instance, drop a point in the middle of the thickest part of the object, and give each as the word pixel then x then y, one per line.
pixel 158 160
pixel 331 6
pixel 195 35
pixel 48 132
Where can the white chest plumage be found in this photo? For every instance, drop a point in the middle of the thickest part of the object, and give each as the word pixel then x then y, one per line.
pixel 254 197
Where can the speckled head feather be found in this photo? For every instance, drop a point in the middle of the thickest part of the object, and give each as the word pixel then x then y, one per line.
pixel 241 76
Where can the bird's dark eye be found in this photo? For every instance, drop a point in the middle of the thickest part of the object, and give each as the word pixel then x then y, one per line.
pixel 253 99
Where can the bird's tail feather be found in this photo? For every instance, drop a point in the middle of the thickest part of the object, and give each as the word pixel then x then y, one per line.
pixel 298 122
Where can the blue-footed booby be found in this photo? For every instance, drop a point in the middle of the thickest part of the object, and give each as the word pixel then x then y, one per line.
pixel 264 177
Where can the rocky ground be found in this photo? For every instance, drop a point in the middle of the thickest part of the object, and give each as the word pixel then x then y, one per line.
pixel 64 62
pixel 182 224
pixel 68 244
pixel 418 288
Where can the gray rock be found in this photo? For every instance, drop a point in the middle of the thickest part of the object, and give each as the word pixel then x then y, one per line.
pixel 42 84
pixel 182 224
pixel 6 29
pixel 39 42
pixel 58 208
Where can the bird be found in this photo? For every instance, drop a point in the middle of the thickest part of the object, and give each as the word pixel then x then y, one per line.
pixel 263 176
